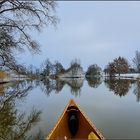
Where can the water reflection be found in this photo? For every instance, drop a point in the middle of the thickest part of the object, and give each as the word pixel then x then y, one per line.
pixel 14 125
pixel 137 90
pixel 20 89
pixel 94 81
pixel 48 85
pixel 118 86
pixel 75 85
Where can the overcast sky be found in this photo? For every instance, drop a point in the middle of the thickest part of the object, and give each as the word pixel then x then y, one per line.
pixel 94 32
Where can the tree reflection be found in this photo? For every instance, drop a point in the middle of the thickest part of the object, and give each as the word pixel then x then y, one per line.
pixel 49 85
pixel 14 125
pixel 118 86
pixel 94 81
pixel 75 85
pixel 137 90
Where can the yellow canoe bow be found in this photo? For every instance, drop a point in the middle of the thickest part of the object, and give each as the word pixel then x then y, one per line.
pixel 74 124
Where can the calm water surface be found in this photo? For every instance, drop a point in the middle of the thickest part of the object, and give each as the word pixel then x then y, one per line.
pixel 30 109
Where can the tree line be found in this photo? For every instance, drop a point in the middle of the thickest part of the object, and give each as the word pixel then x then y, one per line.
pixel 52 70
pixel 118 66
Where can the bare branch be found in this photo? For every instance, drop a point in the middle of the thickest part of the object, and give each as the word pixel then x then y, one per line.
pixel 17 19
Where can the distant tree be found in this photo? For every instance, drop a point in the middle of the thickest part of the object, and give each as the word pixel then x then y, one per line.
pixel 136 61
pixel 47 68
pixel 121 65
pixel 118 66
pixel 111 69
pixel 58 68
pixel 75 66
pixel 93 70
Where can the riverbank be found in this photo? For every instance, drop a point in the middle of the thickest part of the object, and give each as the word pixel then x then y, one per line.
pixel 134 76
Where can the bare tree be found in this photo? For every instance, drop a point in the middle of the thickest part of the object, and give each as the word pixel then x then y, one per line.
pixel 58 67
pixel 136 61
pixel 17 19
pixel 48 66
pixel 75 66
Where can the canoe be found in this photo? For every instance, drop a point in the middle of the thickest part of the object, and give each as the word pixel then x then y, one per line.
pixel 74 124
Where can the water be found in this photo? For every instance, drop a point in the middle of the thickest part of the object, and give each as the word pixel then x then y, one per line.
pixel 30 109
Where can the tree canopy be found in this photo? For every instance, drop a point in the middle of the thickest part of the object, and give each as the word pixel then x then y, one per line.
pixel 93 70
pixel 118 66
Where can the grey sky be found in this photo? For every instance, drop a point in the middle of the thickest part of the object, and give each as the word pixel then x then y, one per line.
pixel 94 32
